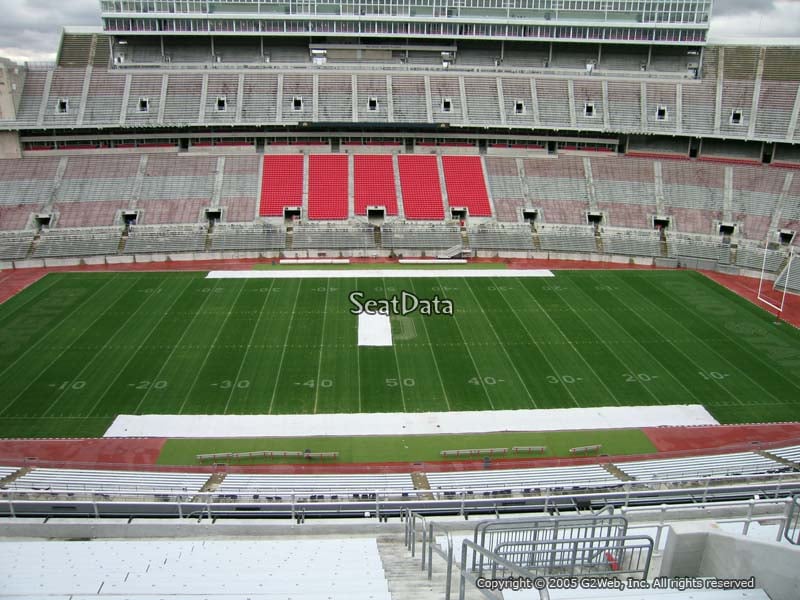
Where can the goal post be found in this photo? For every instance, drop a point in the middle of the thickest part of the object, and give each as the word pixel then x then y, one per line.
pixel 776 302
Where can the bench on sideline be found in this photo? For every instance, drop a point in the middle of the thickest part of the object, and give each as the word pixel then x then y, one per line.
pixel 586 450
pixel 473 451
pixel 266 454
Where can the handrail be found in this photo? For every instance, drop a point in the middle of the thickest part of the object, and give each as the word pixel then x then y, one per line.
pixel 791 529
pixel 466 575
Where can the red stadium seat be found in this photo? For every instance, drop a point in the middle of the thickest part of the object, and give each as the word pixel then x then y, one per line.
pixel 374 183
pixel 466 185
pixel 282 184
pixel 422 194
pixel 327 186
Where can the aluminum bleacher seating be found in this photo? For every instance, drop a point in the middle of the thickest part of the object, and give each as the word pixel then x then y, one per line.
pixel 466 185
pixel 483 106
pixel 552 108
pixel 16 217
pixel 316 483
pixel 752 257
pixel 247 236
pixel 260 97
pixel 625 191
pixel 740 463
pixel 327 186
pixel 88 214
pixel 567 238
pixel 558 187
pixel 294 87
pixel 790 453
pixel 6 471
pixel 337 568
pixel 104 101
pixel 335 98
pixel 105 480
pixel 15 245
pixel 67 85
pixel 631 242
pixel 419 181
pixel 374 183
pixel 501 237
pixel 176 188
pixel 521 479
pixel 239 192
pixel 789 278
pixel 149 239
pixel 693 246
pixel 78 242
pixel 320 237
pixel 411 237
pixel 183 98
pixel 281 185
pixel 409 98
pixel 221 98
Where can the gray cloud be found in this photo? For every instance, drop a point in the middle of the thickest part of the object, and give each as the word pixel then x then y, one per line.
pixel 739 7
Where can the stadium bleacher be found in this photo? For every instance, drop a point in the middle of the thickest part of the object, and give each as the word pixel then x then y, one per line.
pixel 281 184
pixel 466 184
pixel 374 183
pixel 419 182
pixel 327 187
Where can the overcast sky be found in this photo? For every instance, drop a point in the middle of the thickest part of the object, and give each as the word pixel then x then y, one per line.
pixel 29 28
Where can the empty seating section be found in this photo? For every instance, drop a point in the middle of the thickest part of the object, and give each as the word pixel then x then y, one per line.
pixel 31 100
pixel 483 106
pixel 27 182
pixel 239 193
pixel 501 237
pixel 559 188
pixel 335 98
pixel 789 278
pixel 409 99
pixel 698 106
pixel 790 453
pixel 419 182
pixel 281 184
pixel 446 100
pixel 176 188
pixel 88 214
pixel 522 479
pixel 661 96
pixel 416 237
pixel 298 98
pixel 15 217
pixel 327 186
pixel 221 98
pixel 109 481
pixel 741 463
pixel 553 110
pixel 756 192
pixel 78 242
pixel 325 236
pixel 372 87
pixel 104 102
pixel 752 257
pixel 374 183
pixel 518 101
pixel 183 98
pixel 63 104
pixel 94 189
pixel 775 106
pixel 631 242
pixel 693 194
pixel 147 239
pixel 625 112
pixel 790 217
pixel 588 104
pixel 466 185
pixel 245 236
pixel 144 101
pixel 6 471
pixel 260 98
pixel 695 246
pixel 567 238
pixel 15 245
pixel 506 186
pixel 625 191
pixel 318 483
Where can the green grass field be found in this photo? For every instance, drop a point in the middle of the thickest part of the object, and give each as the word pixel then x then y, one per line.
pixel 78 349
pixel 409 448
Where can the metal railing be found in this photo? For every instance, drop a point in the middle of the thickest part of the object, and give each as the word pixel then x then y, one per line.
pixel 791 529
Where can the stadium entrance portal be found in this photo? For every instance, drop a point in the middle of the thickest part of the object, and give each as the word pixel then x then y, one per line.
pixel 291 214
pixel 376 215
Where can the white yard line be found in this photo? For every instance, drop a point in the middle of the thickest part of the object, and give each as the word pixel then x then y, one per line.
pixel 397 362
pixel 566 419
pixel 433 355
pixel 376 273
pixel 321 347
pixel 249 343
pixel 283 352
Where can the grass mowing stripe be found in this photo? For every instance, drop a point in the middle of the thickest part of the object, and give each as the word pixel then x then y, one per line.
pixel 500 342
pixel 25 298
pixel 285 345
pixel 542 354
pixel 37 372
pixel 127 296
pixel 242 283
pixel 660 316
pixel 162 314
pixel 571 344
pixel 708 324
pixel 174 348
pixel 433 354
pixel 481 378
pixel 249 344
pixel 54 330
pixel 317 381
pixel 609 327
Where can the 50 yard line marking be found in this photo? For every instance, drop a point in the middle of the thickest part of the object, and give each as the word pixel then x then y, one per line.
pixel 139 347
pixel 211 347
pixel 321 345
pixel 394 349
pixel 499 341
pixel 283 351
pixel 433 354
pixel 249 343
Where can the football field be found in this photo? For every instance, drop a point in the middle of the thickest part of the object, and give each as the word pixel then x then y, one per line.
pixel 78 349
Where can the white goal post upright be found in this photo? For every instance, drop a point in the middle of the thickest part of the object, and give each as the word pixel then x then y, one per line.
pixel 788 272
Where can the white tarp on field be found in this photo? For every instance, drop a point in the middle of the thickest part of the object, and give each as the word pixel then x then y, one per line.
pixel 376 273
pixel 374 330
pixel 566 419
